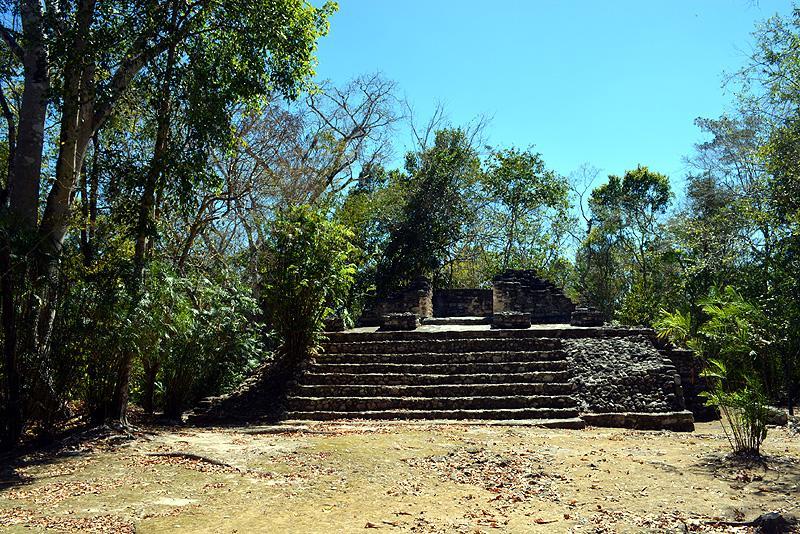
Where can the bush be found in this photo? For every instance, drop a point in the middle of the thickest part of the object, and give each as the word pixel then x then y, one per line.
pixel 206 336
pixel 731 342
pixel 305 273
pixel 744 409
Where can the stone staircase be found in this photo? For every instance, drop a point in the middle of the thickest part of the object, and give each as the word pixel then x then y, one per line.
pixel 479 374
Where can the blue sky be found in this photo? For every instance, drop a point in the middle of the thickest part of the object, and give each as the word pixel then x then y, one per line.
pixel 611 83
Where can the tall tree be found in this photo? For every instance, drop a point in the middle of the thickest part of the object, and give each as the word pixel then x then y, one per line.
pixel 441 181
pixel 626 240
pixel 80 59
pixel 527 204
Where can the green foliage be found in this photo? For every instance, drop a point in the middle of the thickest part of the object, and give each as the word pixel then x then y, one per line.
pixel 526 210
pixel 744 409
pixel 204 332
pixel 199 335
pixel 624 261
pixel 305 271
pixel 437 211
pixel 732 343
pixel 675 326
pixel 369 210
pixel 93 322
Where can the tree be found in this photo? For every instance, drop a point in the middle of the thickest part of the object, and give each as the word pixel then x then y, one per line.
pixel 305 272
pixel 626 245
pixel 369 210
pixel 527 205
pixel 441 182
pixel 707 239
pixel 80 60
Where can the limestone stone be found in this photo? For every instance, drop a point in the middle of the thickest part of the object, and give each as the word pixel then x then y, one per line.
pixel 400 321
pixel 511 319
pixel 586 317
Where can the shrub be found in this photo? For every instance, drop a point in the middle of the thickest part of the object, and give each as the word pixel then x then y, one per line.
pixel 744 409
pixel 304 275
pixel 731 342
pixel 198 335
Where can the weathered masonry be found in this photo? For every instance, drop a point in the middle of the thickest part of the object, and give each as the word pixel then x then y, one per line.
pixel 512 291
pixel 520 351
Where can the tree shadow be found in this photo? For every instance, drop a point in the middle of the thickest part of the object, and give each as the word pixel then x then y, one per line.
pixel 760 474
pixel 78 442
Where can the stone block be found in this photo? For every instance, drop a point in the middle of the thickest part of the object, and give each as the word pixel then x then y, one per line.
pixel 586 317
pixel 462 302
pixel 511 319
pixel 524 291
pixel 334 324
pixel 400 321
pixel 417 298
pixel 682 421
pixel 777 416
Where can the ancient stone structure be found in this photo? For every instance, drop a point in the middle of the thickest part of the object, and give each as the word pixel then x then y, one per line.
pixel 586 317
pixel 511 319
pixel 557 377
pixel 486 360
pixel 400 321
pixel 512 291
pixel 623 373
pixel 462 302
pixel 526 292
pixel 334 323
pixel 689 368
pixel 417 298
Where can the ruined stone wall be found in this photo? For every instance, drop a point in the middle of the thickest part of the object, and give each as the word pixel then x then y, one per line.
pixel 693 384
pixel 462 302
pixel 417 298
pixel 623 374
pixel 524 291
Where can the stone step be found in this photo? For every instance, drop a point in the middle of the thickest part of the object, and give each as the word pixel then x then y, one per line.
pixel 459 321
pixel 444 357
pixel 549 417
pixel 355 404
pixel 441 345
pixel 433 379
pixel 443 390
pixel 551 332
pixel 440 368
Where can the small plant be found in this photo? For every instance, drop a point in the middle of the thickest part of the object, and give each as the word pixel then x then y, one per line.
pixel 730 343
pixel 744 409
pixel 674 326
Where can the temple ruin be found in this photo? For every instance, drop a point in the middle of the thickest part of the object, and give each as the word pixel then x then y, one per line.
pixel 520 351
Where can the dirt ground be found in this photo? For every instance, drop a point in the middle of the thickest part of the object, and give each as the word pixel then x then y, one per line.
pixel 400 478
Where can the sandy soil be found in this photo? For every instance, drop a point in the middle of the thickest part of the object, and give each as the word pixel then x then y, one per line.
pixel 401 478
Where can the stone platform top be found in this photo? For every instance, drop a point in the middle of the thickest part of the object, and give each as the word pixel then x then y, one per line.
pixel 553 329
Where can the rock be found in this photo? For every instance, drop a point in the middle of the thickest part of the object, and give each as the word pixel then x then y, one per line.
pixel 777 416
pixel 623 374
pixel 400 321
pixel 586 317
pixel 773 523
pixel 510 319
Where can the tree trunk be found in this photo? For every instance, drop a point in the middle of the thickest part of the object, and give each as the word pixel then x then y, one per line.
pixel 148 389
pixel 144 225
pixel 76 131
pixel 119 403
pixel 23 184
pixel 12 428
pixel 22 195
